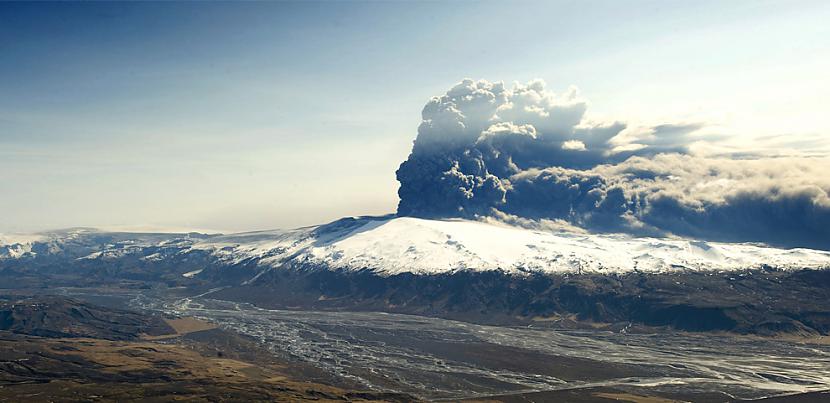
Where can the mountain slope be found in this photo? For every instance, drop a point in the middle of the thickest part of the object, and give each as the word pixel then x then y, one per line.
pixel 394 245
pixel 63 317
pixel 421 246
pixel 468 270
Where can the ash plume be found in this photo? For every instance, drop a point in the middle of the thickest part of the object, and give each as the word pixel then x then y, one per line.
pixel 485 150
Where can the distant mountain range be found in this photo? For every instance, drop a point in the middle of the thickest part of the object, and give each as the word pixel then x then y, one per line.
pixel 394 245
pixel 479 271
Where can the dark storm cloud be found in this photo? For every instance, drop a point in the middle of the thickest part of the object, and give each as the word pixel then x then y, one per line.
pixel 485 150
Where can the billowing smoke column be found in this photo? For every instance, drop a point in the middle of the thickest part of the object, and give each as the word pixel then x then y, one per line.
pixel 486 150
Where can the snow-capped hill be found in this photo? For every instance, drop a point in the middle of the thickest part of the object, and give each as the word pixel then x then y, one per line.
pixel 391 245
pixel 405 244
pixel 15 246
pixel 87 243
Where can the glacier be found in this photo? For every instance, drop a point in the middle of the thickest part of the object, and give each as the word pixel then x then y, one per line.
pixel 390 245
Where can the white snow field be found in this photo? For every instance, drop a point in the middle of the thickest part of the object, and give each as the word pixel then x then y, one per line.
pixel 392 245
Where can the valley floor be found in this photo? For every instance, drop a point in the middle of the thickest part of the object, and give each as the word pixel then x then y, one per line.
pixel 196 362
pixel 109 344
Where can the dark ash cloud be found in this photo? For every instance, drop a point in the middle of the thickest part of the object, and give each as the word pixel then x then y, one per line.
pixel 485 150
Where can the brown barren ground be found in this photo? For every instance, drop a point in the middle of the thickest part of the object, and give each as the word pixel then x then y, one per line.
pixel 182 326
pixel 197 364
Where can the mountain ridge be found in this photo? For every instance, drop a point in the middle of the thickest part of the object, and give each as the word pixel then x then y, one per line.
pixel 391 245
pixel 459 269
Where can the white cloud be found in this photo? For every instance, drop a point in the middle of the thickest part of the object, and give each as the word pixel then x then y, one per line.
pixel 573 145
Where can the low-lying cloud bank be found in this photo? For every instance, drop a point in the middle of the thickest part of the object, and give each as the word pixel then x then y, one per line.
pixel 485 150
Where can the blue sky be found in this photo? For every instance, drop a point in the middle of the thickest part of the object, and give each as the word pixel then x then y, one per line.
pixel 260 115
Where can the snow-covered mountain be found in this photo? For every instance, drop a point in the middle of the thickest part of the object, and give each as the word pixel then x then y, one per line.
pixel 393 245
pixel 475 271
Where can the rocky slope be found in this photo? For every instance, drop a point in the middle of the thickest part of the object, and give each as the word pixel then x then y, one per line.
pixel 62 317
